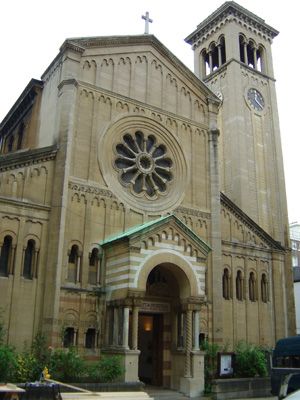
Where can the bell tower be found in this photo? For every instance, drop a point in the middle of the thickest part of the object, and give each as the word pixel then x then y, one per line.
pixel 232 52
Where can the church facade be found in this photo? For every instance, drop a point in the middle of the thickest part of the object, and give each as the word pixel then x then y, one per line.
pixel 139 211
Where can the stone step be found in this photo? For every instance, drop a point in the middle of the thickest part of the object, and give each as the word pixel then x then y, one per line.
pixel 106 396
pixel 166 394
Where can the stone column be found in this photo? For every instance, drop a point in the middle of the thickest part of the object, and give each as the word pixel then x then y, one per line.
pixel 78 268
pixel 210 62
pixel 255 57
pixel 98 265
pixel 214 272
pixel 35 258
pixel 196 330
pixel 126 327
pixel 188 347
pixel 75 336
pixel 183 327
pixel 219 55
pixel 96 339
pixel 135 322
pixel 245 53
pixel 243 288
pixel 67 269
pixel 23 261
pixel 12 261
pixel 116 326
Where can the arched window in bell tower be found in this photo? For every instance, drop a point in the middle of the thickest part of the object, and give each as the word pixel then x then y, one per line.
pixel 214 57
pixel 262 60
pixel 204 62
pixel 222 50
pixel 251 54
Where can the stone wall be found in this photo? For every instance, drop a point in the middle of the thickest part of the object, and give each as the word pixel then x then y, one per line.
pixel 241 388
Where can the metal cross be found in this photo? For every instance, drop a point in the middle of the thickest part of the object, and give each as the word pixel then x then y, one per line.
pixel 147 20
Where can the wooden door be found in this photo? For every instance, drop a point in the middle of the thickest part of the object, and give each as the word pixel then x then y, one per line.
pixel 157 350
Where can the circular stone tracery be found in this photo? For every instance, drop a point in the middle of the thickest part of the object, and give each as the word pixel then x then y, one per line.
pixel 143 165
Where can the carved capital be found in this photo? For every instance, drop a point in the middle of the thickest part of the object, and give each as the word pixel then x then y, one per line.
pixel 192 303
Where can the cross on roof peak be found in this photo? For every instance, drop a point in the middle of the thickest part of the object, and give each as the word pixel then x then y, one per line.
pixel 147 20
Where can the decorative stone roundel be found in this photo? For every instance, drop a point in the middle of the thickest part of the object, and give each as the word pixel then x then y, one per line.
pixel 143 165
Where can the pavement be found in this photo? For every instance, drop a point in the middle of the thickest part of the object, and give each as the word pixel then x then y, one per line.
pixel 166 394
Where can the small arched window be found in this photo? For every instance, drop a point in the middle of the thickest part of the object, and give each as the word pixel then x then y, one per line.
pixel 90 338
pixel 74 265
pixel 94 267
pixel 226 284
pixel 29 260
pixel 252 287
pixel 6 257
pixel 69 337
pixel 239 286
pixel 264 288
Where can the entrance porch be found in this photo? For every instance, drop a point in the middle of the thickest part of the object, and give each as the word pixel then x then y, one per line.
pixel 156 275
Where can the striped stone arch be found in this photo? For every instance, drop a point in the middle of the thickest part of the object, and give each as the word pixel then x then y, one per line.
pixel 179 265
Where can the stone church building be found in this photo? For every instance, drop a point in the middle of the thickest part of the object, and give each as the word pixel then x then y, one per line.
pixel 143 207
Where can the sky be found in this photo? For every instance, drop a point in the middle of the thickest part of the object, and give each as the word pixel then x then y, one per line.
pixel 32 31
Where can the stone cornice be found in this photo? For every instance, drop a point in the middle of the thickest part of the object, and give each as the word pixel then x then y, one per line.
pixel 65 82
pixel 247 221
pixel 92 292
pixel 247 68
pixel 226 13
pixel 79 187
pixel 25 205
pixel 192 212
pixel 117 97
pixel 242 249
pixel 73 46
pixel 20 159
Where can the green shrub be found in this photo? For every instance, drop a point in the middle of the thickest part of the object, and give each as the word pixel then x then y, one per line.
pixel 40 349
pixel 107 369
pixel 8 363
pixel 210 362
pixel 67 365
pixel 8 354
pixel 28 369
pixel 32 361
pixel 249 360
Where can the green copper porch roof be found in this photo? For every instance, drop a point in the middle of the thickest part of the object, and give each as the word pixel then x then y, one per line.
pixel 160 221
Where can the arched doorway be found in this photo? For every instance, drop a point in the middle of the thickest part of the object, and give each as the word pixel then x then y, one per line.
pixel 156 274
pixel 157 317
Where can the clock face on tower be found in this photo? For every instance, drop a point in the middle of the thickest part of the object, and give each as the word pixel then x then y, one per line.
pixel 255 99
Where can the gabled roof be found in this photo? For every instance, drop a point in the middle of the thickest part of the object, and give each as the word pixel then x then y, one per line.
pixel 80 44
pixel 230 8
pixel 149 227
pixel 21 107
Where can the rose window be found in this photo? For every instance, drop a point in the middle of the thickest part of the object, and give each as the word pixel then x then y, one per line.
pixel 143 165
